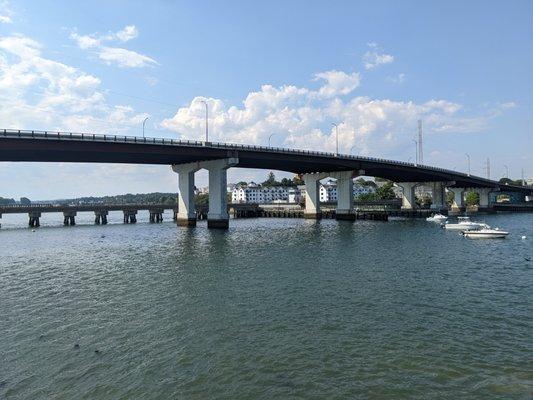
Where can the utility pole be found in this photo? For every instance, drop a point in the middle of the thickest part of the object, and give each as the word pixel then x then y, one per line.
pixel 420 143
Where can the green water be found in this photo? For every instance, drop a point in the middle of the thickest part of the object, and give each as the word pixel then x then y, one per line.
pixel 271 309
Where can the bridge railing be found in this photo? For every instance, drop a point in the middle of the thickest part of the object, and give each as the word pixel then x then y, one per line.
pixel 33 134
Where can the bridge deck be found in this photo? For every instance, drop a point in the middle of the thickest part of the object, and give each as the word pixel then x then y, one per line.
pixel 43 146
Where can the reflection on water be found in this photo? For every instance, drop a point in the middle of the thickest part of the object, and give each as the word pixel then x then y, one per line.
pixel 271 308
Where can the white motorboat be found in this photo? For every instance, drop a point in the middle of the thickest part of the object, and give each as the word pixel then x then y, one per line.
pixel 437 218
pixel 464 224
pixel 486 233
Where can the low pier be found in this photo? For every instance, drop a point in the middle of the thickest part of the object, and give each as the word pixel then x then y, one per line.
pixel 375 211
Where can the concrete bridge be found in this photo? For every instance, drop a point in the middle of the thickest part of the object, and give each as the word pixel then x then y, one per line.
pixel 187 157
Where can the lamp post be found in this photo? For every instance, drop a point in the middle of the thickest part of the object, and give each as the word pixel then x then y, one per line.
pixel 206 120
pixel 144 122
pixel 336 136
pixel 506 171
pixel 270 137
pixel 351 148
pixel 468 159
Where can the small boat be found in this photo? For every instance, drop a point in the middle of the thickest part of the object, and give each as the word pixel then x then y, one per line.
pixel 437 218
pixel 485 233
pixel 464 224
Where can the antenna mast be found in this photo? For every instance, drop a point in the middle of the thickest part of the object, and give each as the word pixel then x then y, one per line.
pixel 487 167
pixel 420 143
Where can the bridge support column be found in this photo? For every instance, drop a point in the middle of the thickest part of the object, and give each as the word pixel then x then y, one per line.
pixel 457 202
pixel 437 196
pixel 312 195
pixel 69 218
pixel 0 218
pixel 217 216
pixel 484 197
pixel 408 198
pixel 186 215
pixel 100 217
pixel 34 219
pixel 130 216
pixel 345 200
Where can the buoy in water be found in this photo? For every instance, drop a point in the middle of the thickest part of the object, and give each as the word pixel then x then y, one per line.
pixel 524 237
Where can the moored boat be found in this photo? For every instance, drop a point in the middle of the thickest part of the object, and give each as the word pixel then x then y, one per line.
pixel 437 218
pixel 485 233
pixel 464 224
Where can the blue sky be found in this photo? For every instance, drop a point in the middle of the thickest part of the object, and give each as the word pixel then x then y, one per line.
pixel 278 67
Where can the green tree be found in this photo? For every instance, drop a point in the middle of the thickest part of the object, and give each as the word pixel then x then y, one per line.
pixel 367 197
pixel 271 180
pixel 425 201
pixel 201 199
pixel 450 196
pixel 472 199
pixel 385 192
pixel 297 180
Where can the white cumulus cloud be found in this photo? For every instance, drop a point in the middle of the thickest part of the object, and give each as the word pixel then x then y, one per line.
pixel 5 13
pixel 37 92
pixel 114 55
pixel 375 57
pixel 124 58
pixel 301 117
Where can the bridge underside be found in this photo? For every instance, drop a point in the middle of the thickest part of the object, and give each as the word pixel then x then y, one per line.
pixel 64 150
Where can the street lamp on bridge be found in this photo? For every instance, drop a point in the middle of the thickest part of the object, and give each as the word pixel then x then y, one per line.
pixel 468 159
pixel 270 137
pixel 506 171
pixel 144 122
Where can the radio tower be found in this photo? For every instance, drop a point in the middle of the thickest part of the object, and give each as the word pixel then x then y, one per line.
pixel 420 147
pixel 487 167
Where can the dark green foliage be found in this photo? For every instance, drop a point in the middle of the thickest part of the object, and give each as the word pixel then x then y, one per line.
pixel 472 199
pixel 6 202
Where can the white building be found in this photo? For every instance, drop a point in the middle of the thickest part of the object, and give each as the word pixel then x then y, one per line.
pixel 254 193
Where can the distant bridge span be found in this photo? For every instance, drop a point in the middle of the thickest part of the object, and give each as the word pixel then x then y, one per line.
pixel 42 146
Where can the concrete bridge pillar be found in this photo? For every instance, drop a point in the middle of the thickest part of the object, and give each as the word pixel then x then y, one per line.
pixel 100 217
pixel 438 199
pixel 312 195
pixel 345 200
pixel 34 217
pixel 484 197
pixel 217 216
pixel 186 215
pixel 69 218
pixel 457 202
pixel 408 198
